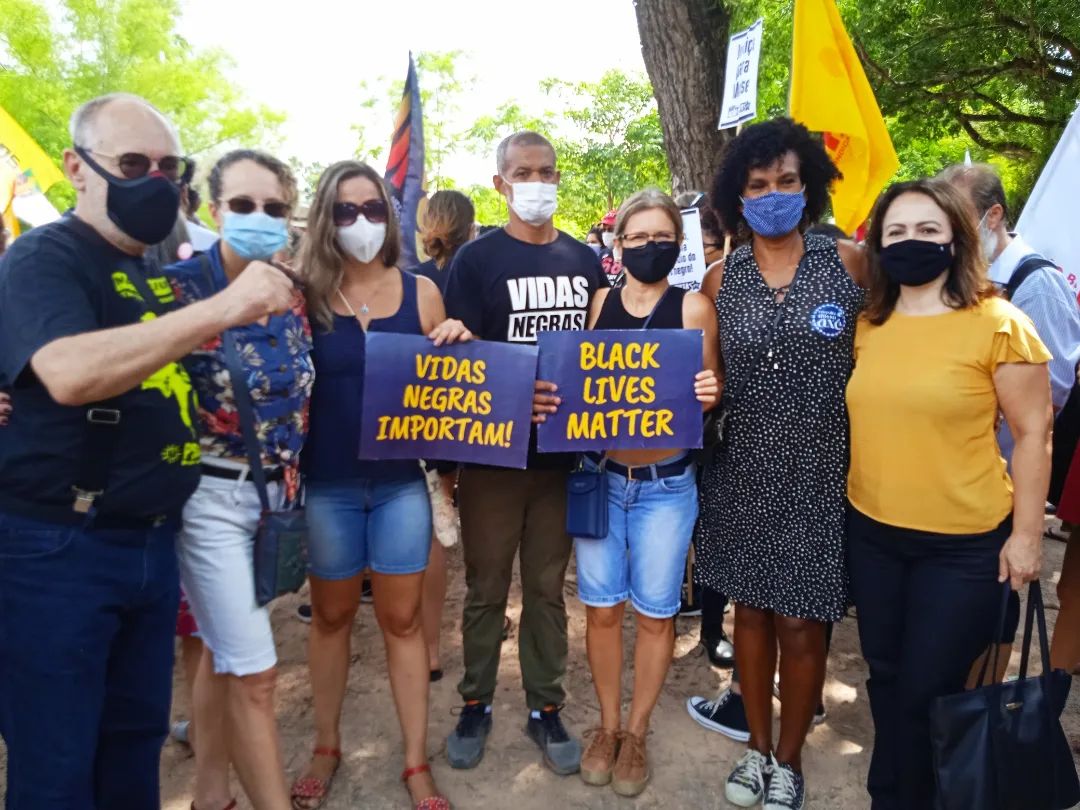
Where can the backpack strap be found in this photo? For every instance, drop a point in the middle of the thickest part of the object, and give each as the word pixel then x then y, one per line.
pixel 1028 266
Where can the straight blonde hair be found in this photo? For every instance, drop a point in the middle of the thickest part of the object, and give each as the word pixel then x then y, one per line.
pixel 646 200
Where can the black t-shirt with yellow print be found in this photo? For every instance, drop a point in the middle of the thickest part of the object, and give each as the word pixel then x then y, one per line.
pixel 63 279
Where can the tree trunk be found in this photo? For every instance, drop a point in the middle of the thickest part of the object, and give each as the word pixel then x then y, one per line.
pixel 684 43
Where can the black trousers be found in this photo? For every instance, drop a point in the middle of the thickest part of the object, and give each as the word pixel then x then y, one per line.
pixel 927 607
pixel 713 605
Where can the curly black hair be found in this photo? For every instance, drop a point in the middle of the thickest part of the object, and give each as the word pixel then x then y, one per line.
pixel 761 145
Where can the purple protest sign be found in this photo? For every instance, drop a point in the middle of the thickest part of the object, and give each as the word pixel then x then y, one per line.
pixel 468 402
pixel 621 389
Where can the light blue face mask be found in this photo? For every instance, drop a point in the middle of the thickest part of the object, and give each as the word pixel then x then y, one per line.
pixel 255 236
pixel 774 214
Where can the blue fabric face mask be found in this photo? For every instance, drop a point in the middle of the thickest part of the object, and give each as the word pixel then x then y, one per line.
pixel 774 214
pixel 254 236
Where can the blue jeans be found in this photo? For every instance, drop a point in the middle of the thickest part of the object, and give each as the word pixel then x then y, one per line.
pixel 360 523
pixel 650 524
pixel 86 656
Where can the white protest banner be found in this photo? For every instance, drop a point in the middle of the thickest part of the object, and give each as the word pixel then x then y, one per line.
pixel 740 77
pixel 689 270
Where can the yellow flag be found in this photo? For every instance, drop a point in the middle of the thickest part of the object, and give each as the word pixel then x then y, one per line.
pixel 22 153
pixel 830 94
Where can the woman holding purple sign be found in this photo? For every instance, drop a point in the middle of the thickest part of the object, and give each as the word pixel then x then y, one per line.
pixel 363 514
pixel 652 503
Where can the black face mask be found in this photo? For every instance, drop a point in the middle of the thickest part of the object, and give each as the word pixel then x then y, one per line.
pixel 652 261
pixel 145 208
pixel 915 262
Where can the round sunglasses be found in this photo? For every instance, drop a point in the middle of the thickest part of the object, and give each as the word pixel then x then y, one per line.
pixel 246 205
pixel 134 165
pixel 346 213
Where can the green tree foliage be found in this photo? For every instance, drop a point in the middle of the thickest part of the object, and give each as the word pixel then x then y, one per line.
pixel 56 55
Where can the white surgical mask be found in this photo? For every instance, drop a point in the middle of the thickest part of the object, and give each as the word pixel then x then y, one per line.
pixel 595 248
pixel 608 238
pixel 363 239
pixel 535 203
pixel 987 239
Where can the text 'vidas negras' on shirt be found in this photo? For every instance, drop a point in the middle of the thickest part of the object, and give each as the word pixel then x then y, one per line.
pixel 546 304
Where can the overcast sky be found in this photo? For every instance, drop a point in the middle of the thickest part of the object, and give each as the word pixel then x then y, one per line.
pixel 309 58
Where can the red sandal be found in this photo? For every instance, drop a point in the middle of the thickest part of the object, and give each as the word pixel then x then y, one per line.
pixel 435 802
pixel 308 788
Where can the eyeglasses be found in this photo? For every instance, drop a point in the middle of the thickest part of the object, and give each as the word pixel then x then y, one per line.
pixel 638 239
pixel 134 165
pixel 245 205
pixel 374 211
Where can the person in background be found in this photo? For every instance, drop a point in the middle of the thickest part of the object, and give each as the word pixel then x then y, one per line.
pixel 251 197
pixel 493 288
pixel 363 514
pixel 595 239
pixel 1040 291
pixel 652 501
pixel 772 501
pixel 935 524
pixel 608 263
pixel 449 222
pixel 1065 645
pixel 97 462
pixel 198 235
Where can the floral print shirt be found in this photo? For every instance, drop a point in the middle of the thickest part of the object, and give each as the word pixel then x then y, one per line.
pixel 277 360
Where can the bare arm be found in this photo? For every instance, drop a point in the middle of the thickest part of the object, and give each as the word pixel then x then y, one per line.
pixel 710 285
pixel 440 329
pixel 1023 391
pixel 102 364
pixel 854 258
pixel 698 313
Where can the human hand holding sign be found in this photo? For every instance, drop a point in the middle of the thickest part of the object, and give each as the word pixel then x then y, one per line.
pixel 707 388
pixel 5 407
pixel 544 400
pixel 449 332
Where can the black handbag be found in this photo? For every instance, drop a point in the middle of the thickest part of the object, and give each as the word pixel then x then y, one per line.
pixel 587 503
pixel 281 538
pixel 1001 747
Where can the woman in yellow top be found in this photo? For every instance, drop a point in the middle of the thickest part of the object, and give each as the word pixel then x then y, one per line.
pixel 935 523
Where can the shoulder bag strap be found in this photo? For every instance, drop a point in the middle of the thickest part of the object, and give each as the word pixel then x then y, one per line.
pixel 766 344
pixel 1023 270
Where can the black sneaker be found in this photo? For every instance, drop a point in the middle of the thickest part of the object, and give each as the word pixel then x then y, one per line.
pixel 685 607
pixel 562 753
pixel 303 613
pixel 366 595
pixel 720 650
pixel 786 789
pixel 465 746
pixel 726 715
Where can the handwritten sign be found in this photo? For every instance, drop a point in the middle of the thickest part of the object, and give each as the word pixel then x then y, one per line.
pixel 741 77
pixel 689 270
pixel 468 402
pixel 621 389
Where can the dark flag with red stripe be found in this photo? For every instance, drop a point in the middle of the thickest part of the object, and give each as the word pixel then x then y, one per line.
pixel 405 167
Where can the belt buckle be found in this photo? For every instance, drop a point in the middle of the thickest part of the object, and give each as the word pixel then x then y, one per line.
pixel 84 500
pixel 629 473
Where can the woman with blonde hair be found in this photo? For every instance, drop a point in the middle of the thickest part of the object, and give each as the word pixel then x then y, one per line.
pixel 363 514
pixel 448 223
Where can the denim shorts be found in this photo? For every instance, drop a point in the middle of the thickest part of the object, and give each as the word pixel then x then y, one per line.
pixel 361 523
pixel 643 557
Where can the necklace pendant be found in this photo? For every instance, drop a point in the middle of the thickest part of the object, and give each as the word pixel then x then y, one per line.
pixel 364 309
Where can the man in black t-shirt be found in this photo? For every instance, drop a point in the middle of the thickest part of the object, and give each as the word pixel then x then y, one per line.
pixel 99 455
pixel 510 285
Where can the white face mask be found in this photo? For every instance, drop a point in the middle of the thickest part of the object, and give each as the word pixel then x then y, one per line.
pixel 363 239
pixel 608 238
pixel 988 239
pixel 535 203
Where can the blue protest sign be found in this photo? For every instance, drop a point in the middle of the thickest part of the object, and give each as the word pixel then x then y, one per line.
pixel 467 402
pixel 621 389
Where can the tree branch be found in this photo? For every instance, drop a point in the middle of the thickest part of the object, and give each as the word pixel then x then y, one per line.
pixel 1019 25
pixel 1004 147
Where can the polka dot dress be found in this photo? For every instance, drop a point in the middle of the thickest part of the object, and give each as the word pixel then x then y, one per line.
pixel 771 531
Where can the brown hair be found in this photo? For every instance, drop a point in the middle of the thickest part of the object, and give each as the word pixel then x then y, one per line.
pixel 645 200
pixel 447 225
pixel 279 169
pixel 966 284
pixel 982 182
pixel 321 260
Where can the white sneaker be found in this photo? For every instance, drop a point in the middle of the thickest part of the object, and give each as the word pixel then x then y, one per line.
pixel 787 789
pixel 745 787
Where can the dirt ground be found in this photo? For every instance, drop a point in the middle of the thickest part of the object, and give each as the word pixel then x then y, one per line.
pixel 689 763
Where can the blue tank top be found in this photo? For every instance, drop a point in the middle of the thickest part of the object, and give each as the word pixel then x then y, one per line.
pixel 333 442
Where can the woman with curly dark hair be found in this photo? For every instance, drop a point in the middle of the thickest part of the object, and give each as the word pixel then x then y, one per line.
pixel 773 502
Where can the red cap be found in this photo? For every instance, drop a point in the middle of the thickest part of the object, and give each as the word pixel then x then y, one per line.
pixel 609 217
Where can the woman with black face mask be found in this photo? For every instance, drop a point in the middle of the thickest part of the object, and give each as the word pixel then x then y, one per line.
pixel 652 504
pixel 936 525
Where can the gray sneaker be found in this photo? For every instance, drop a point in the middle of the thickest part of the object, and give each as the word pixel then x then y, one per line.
pixel 465 746
pixel 562 753
pixel 787 789
pixel 745 787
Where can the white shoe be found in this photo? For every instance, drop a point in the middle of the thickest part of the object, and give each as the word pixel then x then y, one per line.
pixel 745 787
pixel 787 789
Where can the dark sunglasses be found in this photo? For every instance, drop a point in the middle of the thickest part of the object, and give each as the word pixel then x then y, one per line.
pixel 134 165
pixel 345 214
pixel 243 205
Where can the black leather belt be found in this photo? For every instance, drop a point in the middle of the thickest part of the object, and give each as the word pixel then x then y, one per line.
pixel 646 472
pixel 271 473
